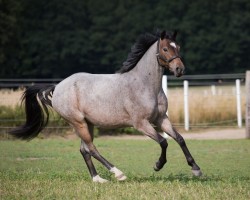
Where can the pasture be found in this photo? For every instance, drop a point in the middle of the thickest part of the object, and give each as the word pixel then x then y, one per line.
pixel 54 169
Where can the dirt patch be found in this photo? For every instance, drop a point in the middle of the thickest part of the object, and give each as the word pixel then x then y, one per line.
pixel 33 158
pixel 201 135
pixel 198 135
pixel 217 134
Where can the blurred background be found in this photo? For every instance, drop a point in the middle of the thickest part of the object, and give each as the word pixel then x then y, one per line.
pixel 55 38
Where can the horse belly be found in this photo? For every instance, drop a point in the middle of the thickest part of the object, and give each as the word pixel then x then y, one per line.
pixel 107 118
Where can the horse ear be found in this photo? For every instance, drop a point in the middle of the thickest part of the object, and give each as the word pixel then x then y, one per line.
pixel 163 35
pixel 175 34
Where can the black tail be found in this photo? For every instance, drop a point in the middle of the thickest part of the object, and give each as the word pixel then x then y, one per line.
pixel 37 114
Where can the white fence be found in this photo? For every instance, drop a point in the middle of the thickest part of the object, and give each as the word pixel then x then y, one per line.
pixel 185 84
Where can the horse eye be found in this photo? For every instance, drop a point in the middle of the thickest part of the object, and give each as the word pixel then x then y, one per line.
pixel 165 49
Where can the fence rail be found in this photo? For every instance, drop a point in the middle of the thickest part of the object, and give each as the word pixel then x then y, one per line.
pixel 186 104
pixel 194 80
pixel 218 79
pixel 205 80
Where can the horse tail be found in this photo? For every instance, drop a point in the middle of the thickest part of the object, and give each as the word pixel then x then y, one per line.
pixel 36 99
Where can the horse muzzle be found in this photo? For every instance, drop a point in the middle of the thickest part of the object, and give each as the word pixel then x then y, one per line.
pixel 179 71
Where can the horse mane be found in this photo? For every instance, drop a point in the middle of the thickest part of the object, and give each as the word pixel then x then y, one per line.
pixel 140 47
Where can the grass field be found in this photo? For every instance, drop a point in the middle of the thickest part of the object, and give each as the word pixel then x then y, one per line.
pixel 54 169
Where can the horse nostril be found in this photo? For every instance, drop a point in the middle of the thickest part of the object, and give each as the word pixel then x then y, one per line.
pixel 183 71
pixel 178 70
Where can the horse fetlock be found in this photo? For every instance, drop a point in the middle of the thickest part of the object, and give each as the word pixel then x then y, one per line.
pixel 192 163
pixel 195 166
pixel 98 179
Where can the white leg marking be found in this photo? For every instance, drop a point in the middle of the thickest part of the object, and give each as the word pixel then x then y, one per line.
pixel 165 135
pixel 98 179
pixel 118 174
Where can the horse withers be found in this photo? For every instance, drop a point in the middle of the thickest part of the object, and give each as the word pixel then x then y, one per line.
pixel 131 97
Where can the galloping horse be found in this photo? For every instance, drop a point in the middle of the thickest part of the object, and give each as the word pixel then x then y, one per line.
pixel 131 97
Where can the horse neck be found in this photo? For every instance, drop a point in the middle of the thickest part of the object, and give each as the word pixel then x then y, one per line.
pixel 149 71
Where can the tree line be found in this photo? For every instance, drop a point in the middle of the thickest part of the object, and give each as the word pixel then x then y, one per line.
pixel 55 38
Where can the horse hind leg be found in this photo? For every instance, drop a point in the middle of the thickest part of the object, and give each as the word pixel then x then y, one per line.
pixel 89 150
pixel 87 158
pixel 84 150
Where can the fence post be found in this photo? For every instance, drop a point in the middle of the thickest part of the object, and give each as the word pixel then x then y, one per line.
pixel 238 103
pixel 165 89
pixel 213 90
pixel 165 84
pixel 248 104
pixel 186 111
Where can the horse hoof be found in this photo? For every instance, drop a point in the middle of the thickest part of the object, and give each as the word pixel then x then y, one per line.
pixel 159 165
pixel 156 168
pixel 197 172
pixel 118 174
pixel 98 179
pixel 122 177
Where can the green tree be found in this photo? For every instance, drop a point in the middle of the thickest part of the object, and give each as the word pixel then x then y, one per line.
pixel 55 38
pixel 9 40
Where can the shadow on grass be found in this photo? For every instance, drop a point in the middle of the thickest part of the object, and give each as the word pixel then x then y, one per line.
pixel 172 177
pixel 185 178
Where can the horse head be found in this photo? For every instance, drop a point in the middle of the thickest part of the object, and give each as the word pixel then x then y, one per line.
pixel 168 53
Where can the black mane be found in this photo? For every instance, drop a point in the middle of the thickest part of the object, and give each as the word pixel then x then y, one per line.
pixel 140 47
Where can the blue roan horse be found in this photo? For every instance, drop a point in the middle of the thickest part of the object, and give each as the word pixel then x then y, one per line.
pixel 131 97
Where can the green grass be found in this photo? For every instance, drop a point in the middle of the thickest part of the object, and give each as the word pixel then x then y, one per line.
pixel 54 169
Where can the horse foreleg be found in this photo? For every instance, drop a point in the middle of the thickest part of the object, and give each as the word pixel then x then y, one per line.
pixel 146 128
pixel 167 127
pixel 163 157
